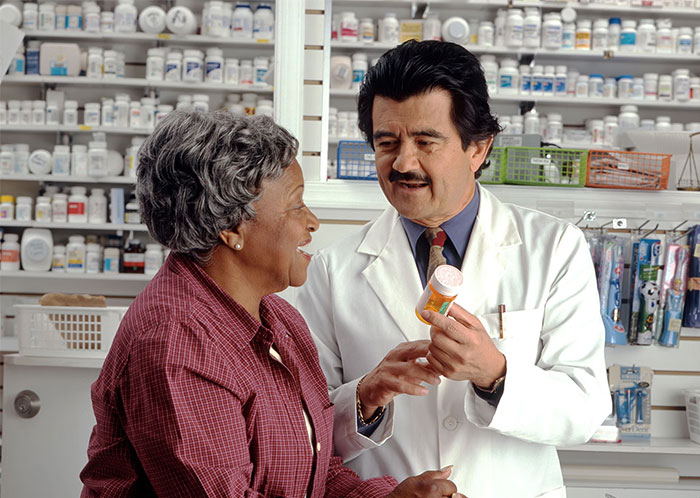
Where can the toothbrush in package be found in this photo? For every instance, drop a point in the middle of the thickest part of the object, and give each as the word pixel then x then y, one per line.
pixel 672 294
pixel 612 267
pixel 691 313
pixel 646 290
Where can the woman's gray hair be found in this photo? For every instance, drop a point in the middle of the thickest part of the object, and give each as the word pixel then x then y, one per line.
pixel 199 174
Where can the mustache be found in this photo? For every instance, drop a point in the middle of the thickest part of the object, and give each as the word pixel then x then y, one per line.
pixel 397 176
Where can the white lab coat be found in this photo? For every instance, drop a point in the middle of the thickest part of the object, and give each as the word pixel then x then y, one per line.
pixel 359 303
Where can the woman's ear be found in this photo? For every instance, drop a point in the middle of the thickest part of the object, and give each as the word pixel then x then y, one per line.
pixel 233 239
pixel 480 150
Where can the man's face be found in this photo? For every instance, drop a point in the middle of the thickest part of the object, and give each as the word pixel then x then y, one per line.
pixel 423 170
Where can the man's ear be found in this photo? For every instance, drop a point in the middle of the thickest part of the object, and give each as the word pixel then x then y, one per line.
pixel 480 149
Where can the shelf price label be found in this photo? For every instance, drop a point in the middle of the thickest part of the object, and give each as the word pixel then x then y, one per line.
pixel 163 36
pixel 84 128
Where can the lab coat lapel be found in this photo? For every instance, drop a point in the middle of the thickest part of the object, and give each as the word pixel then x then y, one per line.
pixel 393 274
pixel 487 258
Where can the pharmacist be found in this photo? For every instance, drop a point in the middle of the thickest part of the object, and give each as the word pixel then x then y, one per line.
pixel 498 392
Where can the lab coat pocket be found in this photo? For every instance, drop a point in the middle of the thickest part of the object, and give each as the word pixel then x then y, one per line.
pixel 521 333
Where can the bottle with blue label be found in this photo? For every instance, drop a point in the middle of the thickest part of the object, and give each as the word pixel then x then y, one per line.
pixel 508 77
pixel 264 24
pixel 17 66
pixel 525 80
pixel 359 69
pixel 537 80
pixel 628 36
pixel 32 57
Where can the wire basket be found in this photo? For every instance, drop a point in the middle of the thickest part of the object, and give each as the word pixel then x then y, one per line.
pixel 356 160
pixel 496 172
pixel 542 166
pixel 67 331
pixel 629 170
pixel 692 410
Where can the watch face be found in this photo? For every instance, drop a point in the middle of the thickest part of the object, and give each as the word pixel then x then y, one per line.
pixel 37 250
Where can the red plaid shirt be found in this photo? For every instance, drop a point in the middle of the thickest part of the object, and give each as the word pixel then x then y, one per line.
pixel 189 402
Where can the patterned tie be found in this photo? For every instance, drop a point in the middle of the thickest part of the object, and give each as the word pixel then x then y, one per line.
pixel 436 237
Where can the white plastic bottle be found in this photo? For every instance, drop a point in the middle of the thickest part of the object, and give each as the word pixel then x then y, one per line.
pixel 629 117
pixel 200 102
pixel 75 254
pixel 552 31
pixel 79 161
pixel 560 81
pixel 628 36
pixel 531 123
pixel 21 157
pixel 9 260
pixel 39 113
pixel 348 27
pixel 651 86
pixel 389 29
pixel 595 86
pixel 488 62
pixel 532 28
pixel 125 17
pixel 155 64
pixel 684 43
pixel 514 28
pixel 59 208
pixel 30 16
pixel 70 113
pixel 610 125
pixel 583 35
pixel 568 36
pixel 665 91
pixel 665 41
pixel 61 160
pixel 97 206
pixel 614 29
pixel 499 26
pixel 537 80
pixel 359 69
pixel 148 113
pixel 214 64
pixel 264 23
pixel 93 258
pixel 58 261
pixel 43 209
pixel 77 205
pixel 681 85
pixel 192 70
pixel 646 36
pixel 525 80
pixel 154 259
pixel 245 73
pixel 91 13
pixel 696 40
pixel 432 27
pixel 508 83
pixel 486 34
pixel 242 21
pixel 548 81
pixel 366 28
pixel 582 86
pixel 231 72
pixel 107 113
pixel 91 114
pixel 24 208
pixel 97 159
pixel 599 39
pixel 516 125
pixel 260 67
pixel 47 17
pixel 95 62
pixel 610 88
pixel 555 128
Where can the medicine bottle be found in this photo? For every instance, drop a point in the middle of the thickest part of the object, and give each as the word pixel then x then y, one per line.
pixel 91 114
pixel 7 159
pixel 531 123
pixel 695 88
pixel 555 128
pixel 200 102
pixel 532 28
pixel 610 88
pixel 456 30
pixel 548 81
pixel 155 64
pixel 111 260
pixel 486 34
pixel 214 66
pixel 97 160
pixel 242 21
pixel 77 205
pixel 173 66
pixel 134 256
pixel 93 258
pixel 192 71
pixel 24 208
pixel 231 76
pixel 514 28
pixel 582 86
pixel 441 291
pixel 663 123
pixel 348 27
pixel 389 29
pixel 264 108
pixel 162 111
pixel 97 206
pixel 52 117
pixel 568 36
pixel 43 210
pixel 665 91
pixel 70 113
pixel 665 41
pixel 508 77
pixel 367 30
pixel 432 28
pixel 61 160
pixel 552 30
pixel 39 112
pixel 488 62
pixel 61 11
pixel 625 83
pixel 264 24
pixel 107 22
pixel 583 35
pixel 94 62
pixel 79 160
pixel 58 261
pixel 614 29
pixel 108 117
pixel 125 17
pixel 560 81
pixel 59 208
pixel 153 259
pixel 47 17
pixel 246 72
pixel 21 159
pixel 359 69
pixel 595 86
pixel 148 113
pixel 638 89
pixel 610 123
pixel 131 212
pixel 25 113
pixel 7 207
pixel 651 84
pixel 537 80
pixel 134 114
pixel 628 36
pixel 92 17
pixel 684 43
pixel 30 16
pixel 646 36
pixel 681 85
pixel 629 117
pixel 75 254
pixel 525 80
pixel 9 259
pixel 516 125
pixel 599 39
pixel 34 49
pixel 260 67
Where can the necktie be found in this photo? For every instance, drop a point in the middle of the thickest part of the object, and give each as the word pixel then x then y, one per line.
pixel 436 237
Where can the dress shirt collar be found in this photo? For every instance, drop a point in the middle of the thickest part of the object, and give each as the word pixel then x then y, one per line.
pixel 457 228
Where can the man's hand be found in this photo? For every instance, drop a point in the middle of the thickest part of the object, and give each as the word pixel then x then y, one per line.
pixel 460 348
pixel 398 373
pixel 431 484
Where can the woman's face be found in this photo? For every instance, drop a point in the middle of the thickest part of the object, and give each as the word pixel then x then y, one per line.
pixel 283 224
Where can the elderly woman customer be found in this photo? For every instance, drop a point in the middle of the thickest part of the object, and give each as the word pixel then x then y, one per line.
pixel 212 386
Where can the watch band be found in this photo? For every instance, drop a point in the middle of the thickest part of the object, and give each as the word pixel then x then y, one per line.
pixel 494 386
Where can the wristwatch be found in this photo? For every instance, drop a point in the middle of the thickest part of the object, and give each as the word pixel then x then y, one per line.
pixel 494 387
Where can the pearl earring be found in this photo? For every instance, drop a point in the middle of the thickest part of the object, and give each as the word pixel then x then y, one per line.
pixel 237 247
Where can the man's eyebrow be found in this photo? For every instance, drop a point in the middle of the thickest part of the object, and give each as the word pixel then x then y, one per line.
pixel 429 132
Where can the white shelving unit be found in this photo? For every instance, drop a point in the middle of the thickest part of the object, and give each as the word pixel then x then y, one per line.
pixel 109 130
pixel 127 180
pixel 66 276
pixel 75 226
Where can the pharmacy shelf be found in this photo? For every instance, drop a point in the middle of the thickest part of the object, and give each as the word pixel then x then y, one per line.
pixel 127 180
pixel 563 145
pixel 133 83
pixel 112 227
pixel 499 4
pixel 589 101
pixel 141 37
pixel 75 129
pixel 537 52
pixel 659 446
pixel 134 277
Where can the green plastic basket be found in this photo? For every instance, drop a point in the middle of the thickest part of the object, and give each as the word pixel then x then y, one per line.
pixel 549 167
pixel 496 172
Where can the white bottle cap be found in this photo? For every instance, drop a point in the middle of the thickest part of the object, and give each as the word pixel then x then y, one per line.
pixel 447 280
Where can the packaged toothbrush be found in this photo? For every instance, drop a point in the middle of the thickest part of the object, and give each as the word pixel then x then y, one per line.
pixel 610 283
pixel 646 291
pixel 672 295
pixel 632 323
pixel 631 387
pixel 691 314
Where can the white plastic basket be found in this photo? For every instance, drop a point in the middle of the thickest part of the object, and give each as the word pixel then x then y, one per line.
pixel 67 331
pixel 692 410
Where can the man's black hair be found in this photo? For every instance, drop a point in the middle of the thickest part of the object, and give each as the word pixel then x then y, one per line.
pixel 416 68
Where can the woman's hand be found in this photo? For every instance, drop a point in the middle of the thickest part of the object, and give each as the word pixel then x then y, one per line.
pixel 430 484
